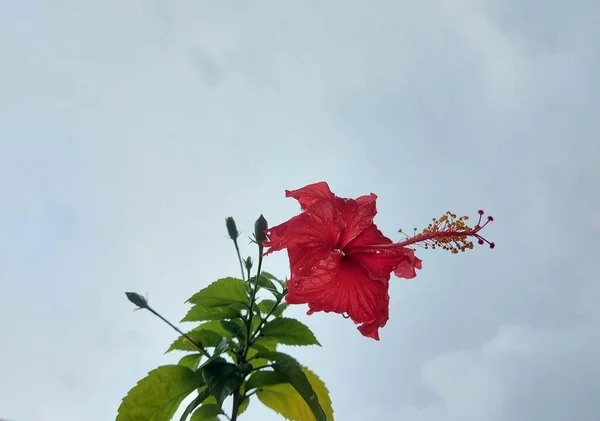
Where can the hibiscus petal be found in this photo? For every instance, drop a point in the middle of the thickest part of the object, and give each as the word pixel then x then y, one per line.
pixel 343 288
pixel 358 214
pixel 310 194
pixel 319 227
pixel 406 268
pixel 314 271
pixel 367 251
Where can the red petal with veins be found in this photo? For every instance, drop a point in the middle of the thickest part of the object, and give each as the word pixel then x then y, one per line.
pixel 381 261
pixel 310 194
pixel 340 285
pixel 357 214
pixel 319 228
pixel 406 268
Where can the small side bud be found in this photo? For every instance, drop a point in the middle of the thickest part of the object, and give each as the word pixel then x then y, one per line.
pixel 260 226
pixel 137 299
pixel 231 228
pixel 248 263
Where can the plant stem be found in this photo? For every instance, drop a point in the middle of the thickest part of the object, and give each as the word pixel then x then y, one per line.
pixel 197 345
pixel 236 395
pixel 264 320
pixel 251 315
pixel 237 249
pixel 236 405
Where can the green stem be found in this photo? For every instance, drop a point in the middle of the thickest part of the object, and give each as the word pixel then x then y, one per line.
pixel 253 299
pixel 197 345
pixel 236 395
pixel 237 249
pixel 262 366
pixel 236 405
pixel 264 320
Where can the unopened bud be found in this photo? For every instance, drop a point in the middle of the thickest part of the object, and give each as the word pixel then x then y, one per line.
pixel 248 263
pixel 231 228
pixel 137 299
pixel 260 226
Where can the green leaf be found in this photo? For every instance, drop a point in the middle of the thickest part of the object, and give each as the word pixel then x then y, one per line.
pixel 289 332
pixel 280 309
pixel 220 293
pixel 266 306
pixel 191 361
pixel 208 412
pixel 294 374
pixel 273 278
pixel 206 337
pixel 286 400
pixel 215 326
pixel 265 283
pixel 219 350
pixel 204 393
pixel 157 396
pixel 266 343
pixel 200 313
pixel 237 330
pixel 321 391
pixel 210 335
pixel 264 378
pixel 222 378
pixel 243 405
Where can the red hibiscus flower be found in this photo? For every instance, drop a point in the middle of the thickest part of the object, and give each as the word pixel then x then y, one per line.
pixel 336 257
pixel 340 262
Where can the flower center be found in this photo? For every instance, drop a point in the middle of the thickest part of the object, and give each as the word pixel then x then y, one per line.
pixel 339 250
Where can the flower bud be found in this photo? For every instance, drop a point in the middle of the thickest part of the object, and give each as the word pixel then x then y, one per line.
pixel 231 228
pixel 260 226
pixel 248 263
pixel 137 299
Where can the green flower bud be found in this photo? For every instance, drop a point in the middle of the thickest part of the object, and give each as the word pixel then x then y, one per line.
pixel 260 226
pixel 137 299
pixel 231 228
pixel 248 263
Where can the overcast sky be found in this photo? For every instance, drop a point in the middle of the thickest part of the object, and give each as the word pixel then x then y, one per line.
pixel 130 129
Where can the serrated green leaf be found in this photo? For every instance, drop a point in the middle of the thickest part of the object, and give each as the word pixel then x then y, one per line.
pixel 219 350
pixel 264 378
pixel 266 343
pixel 206 412
pixel 211 399
pixel 200 313
pixel 265 283
pixel 214 326
pixel 274 278
pixel 266 306
pixel 280 309
pixel 243 405
pixel 236 329
pixel 157 396
pixel 207 338
pixel 191 361
pixel 222 378
pixel 202 395
pixel 286 400
pixel 289 332
pixel 220 293
pixel 294 374
pixel 211 334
